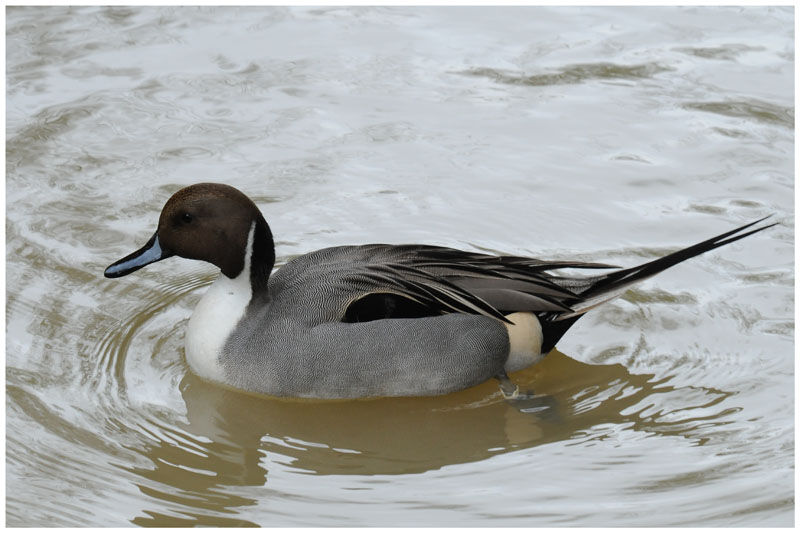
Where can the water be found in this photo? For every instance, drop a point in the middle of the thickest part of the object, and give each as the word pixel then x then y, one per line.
pixel 606 134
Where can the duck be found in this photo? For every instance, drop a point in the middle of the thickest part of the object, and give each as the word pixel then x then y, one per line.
pixel 374 320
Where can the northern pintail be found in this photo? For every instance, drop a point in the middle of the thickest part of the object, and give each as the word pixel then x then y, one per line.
pixel 372 320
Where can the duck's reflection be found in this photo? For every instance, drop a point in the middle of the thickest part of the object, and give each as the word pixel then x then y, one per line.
pixel 406 435
pixel 235 439
pixel 380 436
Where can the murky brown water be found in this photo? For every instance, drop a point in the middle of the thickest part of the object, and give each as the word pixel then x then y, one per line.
pixel 600 133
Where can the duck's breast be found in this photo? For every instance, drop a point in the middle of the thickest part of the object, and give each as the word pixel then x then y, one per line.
pixel 213 321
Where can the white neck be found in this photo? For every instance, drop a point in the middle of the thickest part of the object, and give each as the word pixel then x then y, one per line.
pixel 216 317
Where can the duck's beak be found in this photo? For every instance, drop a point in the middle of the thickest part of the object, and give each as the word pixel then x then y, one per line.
pixel 149 253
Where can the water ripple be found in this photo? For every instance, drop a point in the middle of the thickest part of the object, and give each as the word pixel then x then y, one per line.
pixel 572 74
pixel 756 110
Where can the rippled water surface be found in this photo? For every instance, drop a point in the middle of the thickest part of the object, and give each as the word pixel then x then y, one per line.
pixel 605 134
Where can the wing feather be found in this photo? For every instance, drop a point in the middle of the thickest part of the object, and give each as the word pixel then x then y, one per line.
pixel 445 280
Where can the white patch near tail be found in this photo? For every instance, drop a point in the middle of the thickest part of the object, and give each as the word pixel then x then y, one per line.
pixel 525 341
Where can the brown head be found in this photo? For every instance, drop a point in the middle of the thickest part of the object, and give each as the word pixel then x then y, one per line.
pixel 210 222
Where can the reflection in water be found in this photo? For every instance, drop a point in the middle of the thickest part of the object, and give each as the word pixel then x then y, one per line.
pixel 188 473
pixel 231 436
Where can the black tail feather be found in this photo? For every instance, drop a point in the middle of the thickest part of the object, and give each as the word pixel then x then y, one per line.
pixel 608 286
pixel 627 276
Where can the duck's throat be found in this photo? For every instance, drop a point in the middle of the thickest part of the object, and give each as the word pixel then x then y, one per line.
pixel 216 317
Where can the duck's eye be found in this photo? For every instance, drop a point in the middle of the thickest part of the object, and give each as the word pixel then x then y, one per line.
pixel 187 217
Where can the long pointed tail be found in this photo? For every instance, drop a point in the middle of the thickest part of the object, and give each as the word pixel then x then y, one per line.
pixel 609 286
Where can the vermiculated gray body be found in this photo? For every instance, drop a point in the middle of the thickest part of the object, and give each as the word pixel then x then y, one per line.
pixel 296 345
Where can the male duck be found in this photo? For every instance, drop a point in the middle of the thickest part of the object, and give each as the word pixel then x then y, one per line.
pixel 373 320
